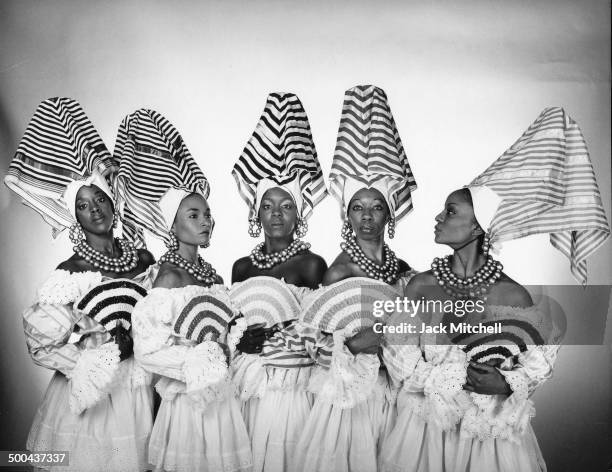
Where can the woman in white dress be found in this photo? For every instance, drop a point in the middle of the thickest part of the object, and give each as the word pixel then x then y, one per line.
pixel 281 182
pixel 464 403
pixel 373 182
pixel 98 405
pixel 182 327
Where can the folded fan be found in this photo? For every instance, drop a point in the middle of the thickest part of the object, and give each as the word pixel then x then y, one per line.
pixel 111 303
pixel 348 305
pixel 204 318
pixel 265 300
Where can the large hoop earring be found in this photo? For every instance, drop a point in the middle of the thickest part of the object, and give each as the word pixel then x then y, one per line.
pixel 391 227
pixel 347 230
pixel 302 228
pixel 486 244
pixel 172 244
pixel 254 227
pixel 76 234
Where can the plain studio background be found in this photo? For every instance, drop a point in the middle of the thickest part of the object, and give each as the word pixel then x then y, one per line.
pixel 464 80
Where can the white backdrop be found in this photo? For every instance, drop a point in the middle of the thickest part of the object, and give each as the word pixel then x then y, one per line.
pixel 464 80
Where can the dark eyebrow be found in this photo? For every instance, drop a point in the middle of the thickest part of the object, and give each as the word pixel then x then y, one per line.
pixel 451 203
pixel 193 209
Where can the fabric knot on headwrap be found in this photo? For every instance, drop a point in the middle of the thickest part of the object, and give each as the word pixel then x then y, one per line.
pixel 152 159
pixel 545 184
pixel 281 153
pixel 369 152
pixel 60 145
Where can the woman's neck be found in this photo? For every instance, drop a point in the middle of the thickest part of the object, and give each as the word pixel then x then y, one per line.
pixel 467 260
pixel 188 252
pixel 373 248
pixel 104 243
pixel 277 244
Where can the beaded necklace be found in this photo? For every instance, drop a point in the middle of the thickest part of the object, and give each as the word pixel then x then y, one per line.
pixel 267 261
pixel 126 262
pixel 388 272
pixel 476 286
pixel 202 271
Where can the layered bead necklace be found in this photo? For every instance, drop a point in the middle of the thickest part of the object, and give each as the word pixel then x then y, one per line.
pixel 267 261
pixel 476 286
pixel 388 272
pixel 126 262
pixel 202 271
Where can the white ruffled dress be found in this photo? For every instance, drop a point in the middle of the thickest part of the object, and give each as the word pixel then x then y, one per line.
pixel 96 407
pixel 275 400
pixel 354 408
pixel 199 426
pixel 442 427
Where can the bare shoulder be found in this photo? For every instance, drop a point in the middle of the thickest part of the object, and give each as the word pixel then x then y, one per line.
pixel 241 268
pixel 169 277
pixel 508 292
pixel 145 257
pixel 72 264
pixel 340 269
pixel 312 269
pixel 403 266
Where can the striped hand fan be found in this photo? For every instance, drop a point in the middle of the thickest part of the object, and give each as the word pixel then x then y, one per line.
pixel 495 348
pixel 265 300
pixel 348 304
pixel 111 303
pixel 204 318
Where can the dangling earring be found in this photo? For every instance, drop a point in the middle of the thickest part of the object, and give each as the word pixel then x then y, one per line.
pixel 254 227
pixel 212 226
pixel 172 244
pixel 302 228
pixel 391 228
pixel 76 234
pixel 486 244
pixel 115 220
pixel 347 230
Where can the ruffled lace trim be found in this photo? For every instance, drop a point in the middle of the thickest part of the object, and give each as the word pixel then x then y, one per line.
pixel 206 374
pixel 253 379
pixel 235 334
pixel 490 416
pixel 64 287
pixel 92 376
pixel 169 388
pixel 350 380
pixel 130 375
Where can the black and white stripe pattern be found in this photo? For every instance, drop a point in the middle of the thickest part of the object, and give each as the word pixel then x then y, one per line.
pixel 111 303
pixel 369 148
pixel 152 158
pixel 204 318
pixel 281 149
pixel 547 185
pixel 59 145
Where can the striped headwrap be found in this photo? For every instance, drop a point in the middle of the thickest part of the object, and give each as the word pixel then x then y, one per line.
pixel 370 151
pixel 60 145
pixel 152 158
pixel 546 184
pixel 281 149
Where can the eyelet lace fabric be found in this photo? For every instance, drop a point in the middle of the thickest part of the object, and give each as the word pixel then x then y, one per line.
pixel 63 287
pixel 350 380
pixel 93 376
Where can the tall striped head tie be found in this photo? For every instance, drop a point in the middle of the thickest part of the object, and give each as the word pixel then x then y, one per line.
pixel 152 158
pixel 369 152
pixel 60 145
pixel 545 184
pixel 281 151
